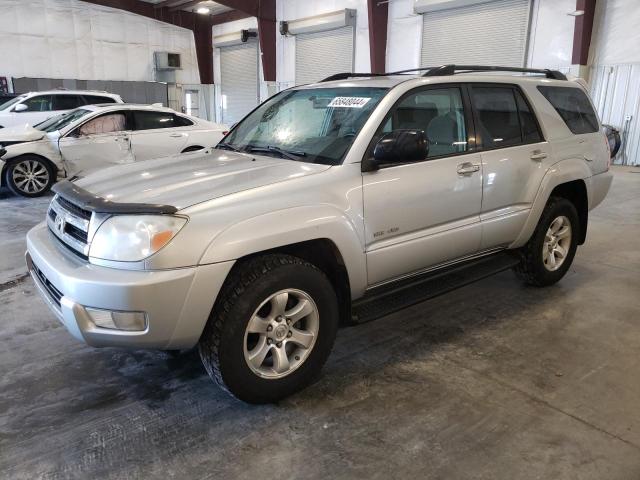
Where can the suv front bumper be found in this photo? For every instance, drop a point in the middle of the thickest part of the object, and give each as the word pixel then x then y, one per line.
pixel 177 302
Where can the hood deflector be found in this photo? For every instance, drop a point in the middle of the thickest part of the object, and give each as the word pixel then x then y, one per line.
pixel 88 201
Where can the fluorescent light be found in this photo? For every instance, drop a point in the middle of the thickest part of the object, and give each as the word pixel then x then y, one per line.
pixel 203 10
pixel 577 13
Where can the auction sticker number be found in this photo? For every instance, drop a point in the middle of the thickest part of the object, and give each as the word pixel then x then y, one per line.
pixel 349 102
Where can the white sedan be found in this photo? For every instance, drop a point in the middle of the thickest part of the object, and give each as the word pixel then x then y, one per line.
pixel 93 137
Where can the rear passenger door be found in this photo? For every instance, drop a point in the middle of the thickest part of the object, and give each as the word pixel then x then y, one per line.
pixel 422 214
pixel 513 152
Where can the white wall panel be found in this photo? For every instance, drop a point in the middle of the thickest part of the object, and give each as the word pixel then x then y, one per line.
pixel 74 39
pixel 551 36
pixel 615 90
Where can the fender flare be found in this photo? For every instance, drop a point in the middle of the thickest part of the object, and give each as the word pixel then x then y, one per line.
pixel 290 226
pixel 562 172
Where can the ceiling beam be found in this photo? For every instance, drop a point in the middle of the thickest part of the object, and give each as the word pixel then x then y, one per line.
pixel 378 15
pixel 229 16
pixel 187 4
pixel 168 3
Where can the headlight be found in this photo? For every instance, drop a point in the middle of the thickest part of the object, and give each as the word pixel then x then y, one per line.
pixel 131 238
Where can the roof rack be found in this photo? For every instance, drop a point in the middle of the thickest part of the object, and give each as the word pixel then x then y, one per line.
pixel 451 70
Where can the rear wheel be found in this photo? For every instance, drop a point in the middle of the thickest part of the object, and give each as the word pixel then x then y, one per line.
pixel 29 176
pixel 550 251
pixel 271 329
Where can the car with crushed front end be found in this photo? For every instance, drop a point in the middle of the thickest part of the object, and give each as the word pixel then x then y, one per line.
pixel 92 137
pixel 330 203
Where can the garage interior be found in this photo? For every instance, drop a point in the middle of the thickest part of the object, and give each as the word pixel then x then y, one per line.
pixel 492 380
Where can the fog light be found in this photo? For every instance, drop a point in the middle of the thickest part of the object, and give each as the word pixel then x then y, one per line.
pixel 130 321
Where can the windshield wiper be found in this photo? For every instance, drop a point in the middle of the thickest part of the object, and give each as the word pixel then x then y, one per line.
pixel 272 148
pixel 227 146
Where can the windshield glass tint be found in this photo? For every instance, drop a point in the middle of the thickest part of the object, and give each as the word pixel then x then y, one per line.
pixel 13 101
pixel 60 121
pixel 315 125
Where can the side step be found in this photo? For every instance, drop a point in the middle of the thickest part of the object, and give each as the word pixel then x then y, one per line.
pixel 395 296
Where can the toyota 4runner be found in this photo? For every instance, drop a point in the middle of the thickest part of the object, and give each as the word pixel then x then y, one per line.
pixel 330 203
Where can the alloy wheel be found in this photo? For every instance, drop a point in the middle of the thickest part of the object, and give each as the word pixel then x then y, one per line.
pixel 30 176
pixel 557 242
pixel 281 333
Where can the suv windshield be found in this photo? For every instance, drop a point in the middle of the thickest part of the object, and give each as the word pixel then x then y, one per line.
pixel 11 102
pixel 311 125
pixel 60 121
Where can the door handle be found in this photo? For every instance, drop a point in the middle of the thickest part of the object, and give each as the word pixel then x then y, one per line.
pixel 124 139
pixel 538 155
pixel 468 168
pixel 175 135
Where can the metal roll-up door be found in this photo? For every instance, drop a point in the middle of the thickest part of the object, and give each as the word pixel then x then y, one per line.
pixel 321 54
pixel 492 33
pixel 239 80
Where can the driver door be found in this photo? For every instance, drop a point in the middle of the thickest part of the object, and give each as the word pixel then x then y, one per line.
pixel 100 142
pixel 422 214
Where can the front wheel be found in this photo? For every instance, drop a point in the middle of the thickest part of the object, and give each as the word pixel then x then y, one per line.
pixel 547 256
pixel 29 176
pixel 271 329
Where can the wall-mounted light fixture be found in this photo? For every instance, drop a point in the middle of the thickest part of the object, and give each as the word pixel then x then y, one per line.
pixel 203 10
pixel 577 13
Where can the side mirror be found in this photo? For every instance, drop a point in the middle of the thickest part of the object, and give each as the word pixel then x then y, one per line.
pixel 21 107
pixel 399 146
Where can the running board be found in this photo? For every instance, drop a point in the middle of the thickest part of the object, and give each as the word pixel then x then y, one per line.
pixel 392 297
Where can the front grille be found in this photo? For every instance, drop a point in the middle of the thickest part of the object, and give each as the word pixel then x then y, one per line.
pixel 76 210
pixel 70 224
pixel 53 292
pixel 76 233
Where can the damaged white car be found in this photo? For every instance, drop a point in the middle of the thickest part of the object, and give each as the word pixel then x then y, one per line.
pixel 94 137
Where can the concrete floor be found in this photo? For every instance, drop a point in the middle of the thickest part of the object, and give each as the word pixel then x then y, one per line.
pixel 492 381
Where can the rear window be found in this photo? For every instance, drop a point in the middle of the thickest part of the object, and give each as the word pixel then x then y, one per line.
pixel 573 105
pixel 66 102
pixel 150 120
pixel 97 99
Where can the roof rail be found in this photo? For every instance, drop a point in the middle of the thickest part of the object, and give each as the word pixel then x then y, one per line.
pixel 345 75
pixel 452 69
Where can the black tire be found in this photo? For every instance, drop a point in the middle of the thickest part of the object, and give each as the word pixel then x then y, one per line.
pixel 29 161
pixel 223 340
pixel 531 269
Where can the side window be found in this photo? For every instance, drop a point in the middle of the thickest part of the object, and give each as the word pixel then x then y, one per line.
pixel 66 102
pixel 573 106
pixel 179 121
pixel 97 99
pixel 497 115
pixel 439 112
pixel 150 120
pixel 107 123
pixel 530 130
pixel 39 103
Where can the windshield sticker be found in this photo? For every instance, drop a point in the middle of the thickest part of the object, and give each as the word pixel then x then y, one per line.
pixel 349 102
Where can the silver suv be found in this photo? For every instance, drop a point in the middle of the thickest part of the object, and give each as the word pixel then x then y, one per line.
pixel 330 203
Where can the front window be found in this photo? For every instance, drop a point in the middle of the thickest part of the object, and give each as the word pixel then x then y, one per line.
pixel 311 125
pixel 60 121
pixel 11 102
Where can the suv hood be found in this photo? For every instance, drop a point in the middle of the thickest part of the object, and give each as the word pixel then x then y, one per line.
pixel 188 179
pixel 20 133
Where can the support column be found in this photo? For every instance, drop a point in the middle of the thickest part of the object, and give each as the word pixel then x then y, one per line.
pixel 582 37
pixel 378 14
